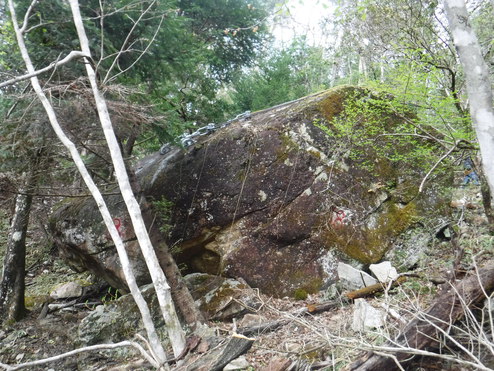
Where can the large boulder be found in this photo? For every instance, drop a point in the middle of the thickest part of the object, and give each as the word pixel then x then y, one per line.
pixel 271 198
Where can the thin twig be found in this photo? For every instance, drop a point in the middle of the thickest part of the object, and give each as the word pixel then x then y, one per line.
pixel 421 187
pixel 124 45
pixel 26 16
pixel 126 343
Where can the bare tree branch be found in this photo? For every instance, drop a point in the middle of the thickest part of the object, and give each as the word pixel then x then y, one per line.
pixel 424 179
pixel 27 15
pixel 115 61
pixel 91 348
pixel 72 55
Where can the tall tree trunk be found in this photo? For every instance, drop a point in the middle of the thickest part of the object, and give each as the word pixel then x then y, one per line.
pixel 161 286
pixel 486 200
pixel 154 341
pixel 478 83
pixel 14 266
pixel 180 293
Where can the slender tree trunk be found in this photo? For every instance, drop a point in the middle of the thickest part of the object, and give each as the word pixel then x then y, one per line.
pixel 478 83
pixel 173 326
pixel 14 266
pixel 154 341
pixel 180 293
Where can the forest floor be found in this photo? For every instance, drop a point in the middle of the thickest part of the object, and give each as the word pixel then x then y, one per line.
pixel 322 341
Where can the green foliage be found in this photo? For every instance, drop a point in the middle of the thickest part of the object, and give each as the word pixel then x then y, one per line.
pixel 420 90
pixel 375 123
pixel 483 23
pixel 198 48
pixel 232 29
pixel 283 75
pixel 110 296
pixel 300 294
pixel 175 53
pixel 163 209
pixel 406 118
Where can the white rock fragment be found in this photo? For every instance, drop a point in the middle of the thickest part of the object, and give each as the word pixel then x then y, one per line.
pixel 251 320
pixel 19 357
pixel 384 271
pixel 239 363
pixel 67 290
pixel 366 317
pixel 354 279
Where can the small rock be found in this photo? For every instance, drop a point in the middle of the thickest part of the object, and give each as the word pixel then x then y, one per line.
pixel 19 357
pixel 277 364
pixel 251 320
pixel 240 363
pixel 292 347
pixel 354 279
pixel 384 271
pixel 366 317
pixel 219 298
pixel 67 290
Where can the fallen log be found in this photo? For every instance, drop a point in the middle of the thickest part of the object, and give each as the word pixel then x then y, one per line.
pixel 422 332
pixel 372 289
pixel 219 356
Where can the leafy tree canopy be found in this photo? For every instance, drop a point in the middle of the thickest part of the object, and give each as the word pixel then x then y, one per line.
pixel 282 75
pixel 179 53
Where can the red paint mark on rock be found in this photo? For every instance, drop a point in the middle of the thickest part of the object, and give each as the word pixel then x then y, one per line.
pixel 118 225
pixel 338 219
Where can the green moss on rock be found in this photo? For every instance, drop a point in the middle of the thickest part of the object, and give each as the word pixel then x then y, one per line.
pixel 369 245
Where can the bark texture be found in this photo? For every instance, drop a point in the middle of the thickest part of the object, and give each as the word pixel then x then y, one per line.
pixel 14 266
pixel 478 83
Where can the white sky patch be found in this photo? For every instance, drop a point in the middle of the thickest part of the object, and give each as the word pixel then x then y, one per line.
pixel 303 19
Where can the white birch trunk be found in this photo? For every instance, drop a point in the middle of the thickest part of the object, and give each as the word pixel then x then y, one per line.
pixel 362 69
pixel 478 84
pixel 157 348
pixel 173 326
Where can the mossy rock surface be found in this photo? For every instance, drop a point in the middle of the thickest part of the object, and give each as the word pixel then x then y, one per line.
pixel 276 200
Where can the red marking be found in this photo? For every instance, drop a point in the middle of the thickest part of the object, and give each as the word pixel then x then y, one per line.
pixel 118 224
pixel 338 218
